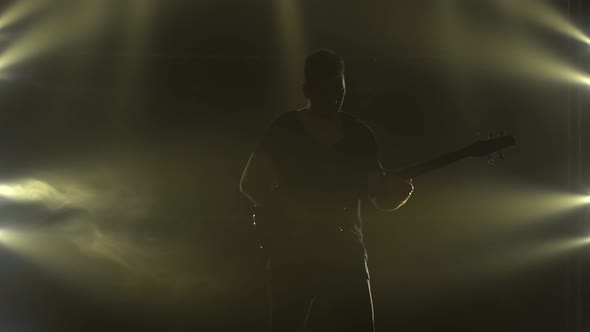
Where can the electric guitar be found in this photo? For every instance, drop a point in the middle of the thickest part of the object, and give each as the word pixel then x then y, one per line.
pixel 481 148
pixel 274 231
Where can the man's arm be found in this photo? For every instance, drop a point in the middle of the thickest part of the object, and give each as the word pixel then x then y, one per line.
pixel 386 192
pixel 389 192
pixel 259 179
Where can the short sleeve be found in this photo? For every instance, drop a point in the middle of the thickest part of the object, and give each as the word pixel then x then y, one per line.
pixel 270 141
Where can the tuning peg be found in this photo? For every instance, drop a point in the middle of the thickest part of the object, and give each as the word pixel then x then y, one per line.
pixel 491 159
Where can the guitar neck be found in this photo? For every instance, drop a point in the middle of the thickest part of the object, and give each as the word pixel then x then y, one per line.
pixel 438 162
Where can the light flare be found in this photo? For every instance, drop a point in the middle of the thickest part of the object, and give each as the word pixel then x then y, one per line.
pixel 53 31
pixel 543 13
pixel 20 10
pixel 473 47
pixel 32 190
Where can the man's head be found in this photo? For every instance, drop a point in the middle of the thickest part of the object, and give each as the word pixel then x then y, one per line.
pixel 324 83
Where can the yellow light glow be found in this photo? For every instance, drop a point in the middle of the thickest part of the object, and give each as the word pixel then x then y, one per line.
pixel 54 30
pixel 293 47
pixel 9 239
pixel 543 13
pixel 20 10
pixel 30 190
pixel 473 47
pixel 94 259
pixel 537 62
pixel 139 21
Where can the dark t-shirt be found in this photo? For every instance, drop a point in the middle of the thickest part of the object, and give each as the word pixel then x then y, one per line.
pixel 335 175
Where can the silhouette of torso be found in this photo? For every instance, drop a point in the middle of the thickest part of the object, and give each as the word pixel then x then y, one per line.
pixel 332 168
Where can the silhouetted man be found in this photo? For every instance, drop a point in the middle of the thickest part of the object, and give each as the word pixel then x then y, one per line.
pixel 311 171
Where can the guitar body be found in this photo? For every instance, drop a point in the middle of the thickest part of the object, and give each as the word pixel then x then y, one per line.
pixel 280 235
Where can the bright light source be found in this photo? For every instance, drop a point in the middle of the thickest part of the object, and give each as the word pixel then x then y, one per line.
pixel 545 14
pixel 31 190
pixel 27 190
pixel 476 47
pixel 7 239
pixel 585 80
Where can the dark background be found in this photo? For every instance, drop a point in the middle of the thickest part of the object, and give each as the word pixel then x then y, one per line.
pixel 147 143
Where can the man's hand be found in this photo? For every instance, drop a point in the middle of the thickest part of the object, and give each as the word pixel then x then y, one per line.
pixel 398 186
pixel 389 192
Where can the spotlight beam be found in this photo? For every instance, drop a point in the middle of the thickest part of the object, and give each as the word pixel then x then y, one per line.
pixel 483 48
pixel 53 31
pixel 293 45
pixel 20 10
pixel 543 13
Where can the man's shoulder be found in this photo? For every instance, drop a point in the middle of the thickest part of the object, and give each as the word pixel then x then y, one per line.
pixel 360 126
pixel 285 118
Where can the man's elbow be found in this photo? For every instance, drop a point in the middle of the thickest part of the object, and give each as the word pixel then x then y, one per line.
pixel 243 186
pixel 246 189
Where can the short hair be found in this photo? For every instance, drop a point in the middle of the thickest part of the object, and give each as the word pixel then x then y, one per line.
pixel 322 64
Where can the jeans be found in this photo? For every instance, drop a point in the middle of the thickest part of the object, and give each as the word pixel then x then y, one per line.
pixel 320 296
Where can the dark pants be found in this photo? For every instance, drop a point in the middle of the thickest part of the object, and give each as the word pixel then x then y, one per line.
pixel 320 297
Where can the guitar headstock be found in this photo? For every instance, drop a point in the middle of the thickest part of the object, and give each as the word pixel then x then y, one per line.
pixel 495 143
